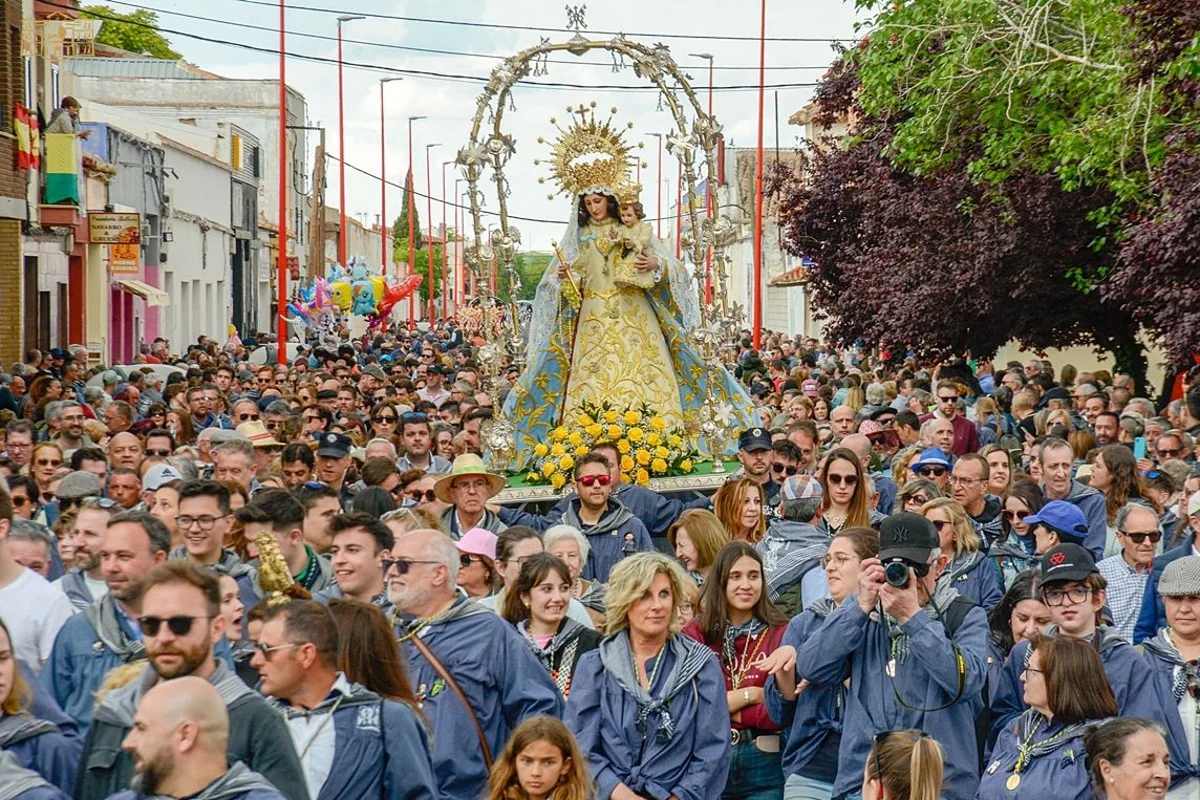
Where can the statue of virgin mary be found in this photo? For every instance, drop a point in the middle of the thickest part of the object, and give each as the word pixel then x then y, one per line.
pixel 600 334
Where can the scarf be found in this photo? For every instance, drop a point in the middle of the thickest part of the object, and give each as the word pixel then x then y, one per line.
pixel 461 608
pixel 15 780
pixel 119 706
pixel 1030 723
pixel 236 782
pixel 823 607
pixel 943 595
pixel 75 587
pixel 1186 673
pixel 103 619
pixel 15 728
pixel 750 628
pixel 564 645
pixel 613 518
pixel 616 654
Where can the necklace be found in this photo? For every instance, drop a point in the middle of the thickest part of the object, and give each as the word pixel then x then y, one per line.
pixel 638 670
pixel 742 665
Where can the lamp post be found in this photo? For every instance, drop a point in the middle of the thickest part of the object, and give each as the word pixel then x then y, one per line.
pixel 445 245
pixel 281 263
pixel 458 279
pixel 429 216
pixel 658 187
pixel 463 199
pixel 758 180
pixel 383 218
pixel 708 194
pixel 408 183
pixel 342 148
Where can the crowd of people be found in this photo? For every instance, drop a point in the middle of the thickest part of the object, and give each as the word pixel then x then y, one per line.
pixel 959 580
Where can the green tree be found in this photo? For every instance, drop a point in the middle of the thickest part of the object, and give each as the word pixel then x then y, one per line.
pixel 400 226
pixel 421 267
pixel 136 32
pixel 530 267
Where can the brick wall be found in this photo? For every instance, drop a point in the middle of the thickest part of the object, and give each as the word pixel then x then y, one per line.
pixel 12 182
pixel 10 288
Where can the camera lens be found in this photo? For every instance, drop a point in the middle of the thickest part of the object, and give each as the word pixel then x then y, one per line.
pixel 896 574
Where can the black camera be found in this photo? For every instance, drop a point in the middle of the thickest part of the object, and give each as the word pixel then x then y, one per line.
pixel 895 572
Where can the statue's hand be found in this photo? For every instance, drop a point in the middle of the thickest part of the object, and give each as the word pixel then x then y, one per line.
pixel 645 263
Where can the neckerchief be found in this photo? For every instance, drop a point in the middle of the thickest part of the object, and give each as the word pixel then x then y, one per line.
pixel 1186 678
pixel 103 617
pixel 750 628
pixel 1029 724
pixel 566 642
pixel 16 728
pixel 616 654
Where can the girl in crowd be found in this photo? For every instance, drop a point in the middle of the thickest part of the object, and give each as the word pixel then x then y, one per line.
pixel 738 505
pixel 477 574
pixel 385 420
pixel 233 611
pixel 1129 760
pixel 43 465
pixel 916 493
pixel 696 537
pixel 367 651
pixel 1018 617
pixel 537 606
pixel 999 469
pixel 1114 472
pixel 541 761
pixel 1040 753
pixel 648 705
pixel 740 625
pixel 820 411
pixel 1014 553
pixel 567 543
pixel 969 571
pixel 903 765
pixel 37 743
pixel 845 492
pixel 812 715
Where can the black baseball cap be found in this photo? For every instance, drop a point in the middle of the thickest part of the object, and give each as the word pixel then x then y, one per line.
pixel 907 536
pixel 753 439
pixel 1066 562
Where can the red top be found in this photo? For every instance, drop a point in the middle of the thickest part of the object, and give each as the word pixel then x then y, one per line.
pixel 754 716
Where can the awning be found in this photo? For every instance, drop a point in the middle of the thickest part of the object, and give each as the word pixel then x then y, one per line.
pixel 797 276
pixel 151 294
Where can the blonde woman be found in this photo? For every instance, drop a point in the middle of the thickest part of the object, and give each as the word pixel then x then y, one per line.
pixel 970 571
pixel 696 537
pixel 648 706
pixel 738 504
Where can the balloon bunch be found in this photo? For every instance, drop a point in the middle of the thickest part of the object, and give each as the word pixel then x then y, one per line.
pixel 392 295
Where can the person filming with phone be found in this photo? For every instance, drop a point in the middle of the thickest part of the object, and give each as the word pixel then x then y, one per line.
pixel 914 651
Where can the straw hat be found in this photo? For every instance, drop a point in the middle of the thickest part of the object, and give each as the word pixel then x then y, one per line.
pixel 467 464
pixel 258 434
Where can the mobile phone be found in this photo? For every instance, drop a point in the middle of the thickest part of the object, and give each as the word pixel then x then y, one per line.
pixel 1139 448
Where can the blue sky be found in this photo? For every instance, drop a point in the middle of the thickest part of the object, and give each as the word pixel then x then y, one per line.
pixel 450 104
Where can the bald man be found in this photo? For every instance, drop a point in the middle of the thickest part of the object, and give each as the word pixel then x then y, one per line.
pixel 177 743
pixel 125 450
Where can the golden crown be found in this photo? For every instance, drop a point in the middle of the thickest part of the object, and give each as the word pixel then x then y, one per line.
pixel 589 155
pixel 629 193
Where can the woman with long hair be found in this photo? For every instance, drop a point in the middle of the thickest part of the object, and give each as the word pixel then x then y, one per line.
pixel 696 537
pixel 541 761
pixel 1129 760
pixel 537 606
pixel 648 705
pixel 903 765
pixel 367 651
pixel 738 622
pixel 1018 617
pixel 179 423
pixel 1115 474
pixel 44 464
pixel 385 422
pixel 1066 692
pixel 820 410
pixel 846 492
pixel 970 571
pixel 738 504
pixel 37 744
pixel 812 715
pixel 1015 552
pixel 916 493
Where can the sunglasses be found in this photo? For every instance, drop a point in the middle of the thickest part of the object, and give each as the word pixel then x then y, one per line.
pixel 948 399
pixel 266 651
pixel 781 469
pixel 939 524
pixel 18 500
pixel 386 418
pixel 1013 516
pixel 594 480
pixel 1142 536
pixel 1169 452
pixel 248 418
pixel 842 480
pixel 465 560
pixel 427 495
pixel 161 452
pixel 402 565
pixel 917 499
pixel 931 472
pixel 48 462
pixel 179 626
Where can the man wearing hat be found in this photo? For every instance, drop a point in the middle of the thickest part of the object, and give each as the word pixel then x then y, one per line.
pixel 916 657
pixel 793 546
pixel 333 459
pixel 933 463
pixel 1153 615
pixel 467 487
pixel 1074 591
pixel 155 478
pixel 265 445
pixel 1058 522
pixel 754 451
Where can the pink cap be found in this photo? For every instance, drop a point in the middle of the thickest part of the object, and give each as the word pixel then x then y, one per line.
pixel 478 542
pixel 869 426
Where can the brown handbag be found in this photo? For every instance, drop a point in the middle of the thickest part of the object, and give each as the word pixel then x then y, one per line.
pixel 445 675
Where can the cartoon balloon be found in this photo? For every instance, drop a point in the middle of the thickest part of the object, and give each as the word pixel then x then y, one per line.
pixel 341 294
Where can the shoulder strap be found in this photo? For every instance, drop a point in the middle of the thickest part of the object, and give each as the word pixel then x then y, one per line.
pixel 952 620
pixel 445 675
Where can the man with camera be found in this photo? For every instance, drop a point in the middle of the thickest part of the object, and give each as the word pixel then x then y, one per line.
pixel 915 654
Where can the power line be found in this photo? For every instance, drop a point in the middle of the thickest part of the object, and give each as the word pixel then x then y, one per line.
pixel 428 50
pixel 432 74
pixel 540 29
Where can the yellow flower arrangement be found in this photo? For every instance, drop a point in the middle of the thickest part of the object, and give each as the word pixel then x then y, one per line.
pixel 643 477
pixel 662 452
pixel 614 432
pixel 558 480
pixel 595 430
pixel 558 434
pixel 612 416
pixel 635 435
pixel 623 446
pixel 581 451
pixel 557 450
pixel 566 463
pixel 643 457
pixel 627 463
pixel 633 417
pixel 686 465
pixel 575 438
pixel 658 423
pixel 549 468
pixel 540 450
pixel 658 465
pixel 653 439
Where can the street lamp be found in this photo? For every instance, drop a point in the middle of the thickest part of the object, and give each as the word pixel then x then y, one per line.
pixel 383 219
pixel 281 255
pixel 708 193
pixel 445 244
pixel 659 136
pixel 458 236
pixel 408 187
pixel 342 147
pixel 429 216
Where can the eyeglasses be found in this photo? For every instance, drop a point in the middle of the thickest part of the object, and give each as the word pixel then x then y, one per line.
pixel 931 472
pixel 782 469
pixel 1169 452
pixel 1013 516
pixel 19 500
pixel 161 452
pixel 466 560
pixel 836 559
pixel 48 462
pixel 1057 597
pixel 842 480
pixel 205 521
pixel 179 626
pixel 938 524
pixel 1140 537
pixel 248 417
pixel 1034 670
pixel 266 651
pixel 402 565
pixel 917 499
pixel 959 480
pixel 427 495
pixel 594 480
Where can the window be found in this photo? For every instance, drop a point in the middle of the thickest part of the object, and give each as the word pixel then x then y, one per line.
pixel 254 161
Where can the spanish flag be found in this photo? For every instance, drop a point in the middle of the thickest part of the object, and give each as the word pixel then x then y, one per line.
pixel 25 127
pixel 62 169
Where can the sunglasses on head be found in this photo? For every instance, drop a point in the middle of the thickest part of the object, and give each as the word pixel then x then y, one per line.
pixel 784 469
pixel 179 626
pixel 592 480
pixel 931 472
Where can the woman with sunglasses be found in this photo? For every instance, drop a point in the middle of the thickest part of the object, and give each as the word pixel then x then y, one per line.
pixel 385 422
pixel 738 622
pixel 916 493
pixel 477 573
pixel 44 464
pixel 738 504
pixel 903 765
pixel 35 744
pixel 537 605
pixel 1040 753
pixel 969 571
pixel 845 487
pixel 812 715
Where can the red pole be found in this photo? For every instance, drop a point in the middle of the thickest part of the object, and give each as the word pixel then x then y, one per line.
pixel 429 218
pixel 281 278
pixel 342 155
pixel 758 181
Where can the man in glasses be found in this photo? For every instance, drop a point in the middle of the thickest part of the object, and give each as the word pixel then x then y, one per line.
pixel 968 484
pixel 416 435
pixel 18 442
pixel 245 409
pixel 359 555
pixel 1074 591
pixel 1138 533
pixel 106 634
pixel 934 464
pixel 965 437
pixel 181 623
pixel 357 744
pixel 612 530
pixel 467 488
pixel 1152 616
pixel 160 444
pixel 71 436
pixel 277 513
pixel 84 584
pixel 502 689
pixel 203 522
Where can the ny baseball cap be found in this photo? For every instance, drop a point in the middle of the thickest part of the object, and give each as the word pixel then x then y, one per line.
pixel 907 536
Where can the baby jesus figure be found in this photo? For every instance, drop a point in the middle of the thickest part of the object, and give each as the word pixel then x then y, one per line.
pixel 632 239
